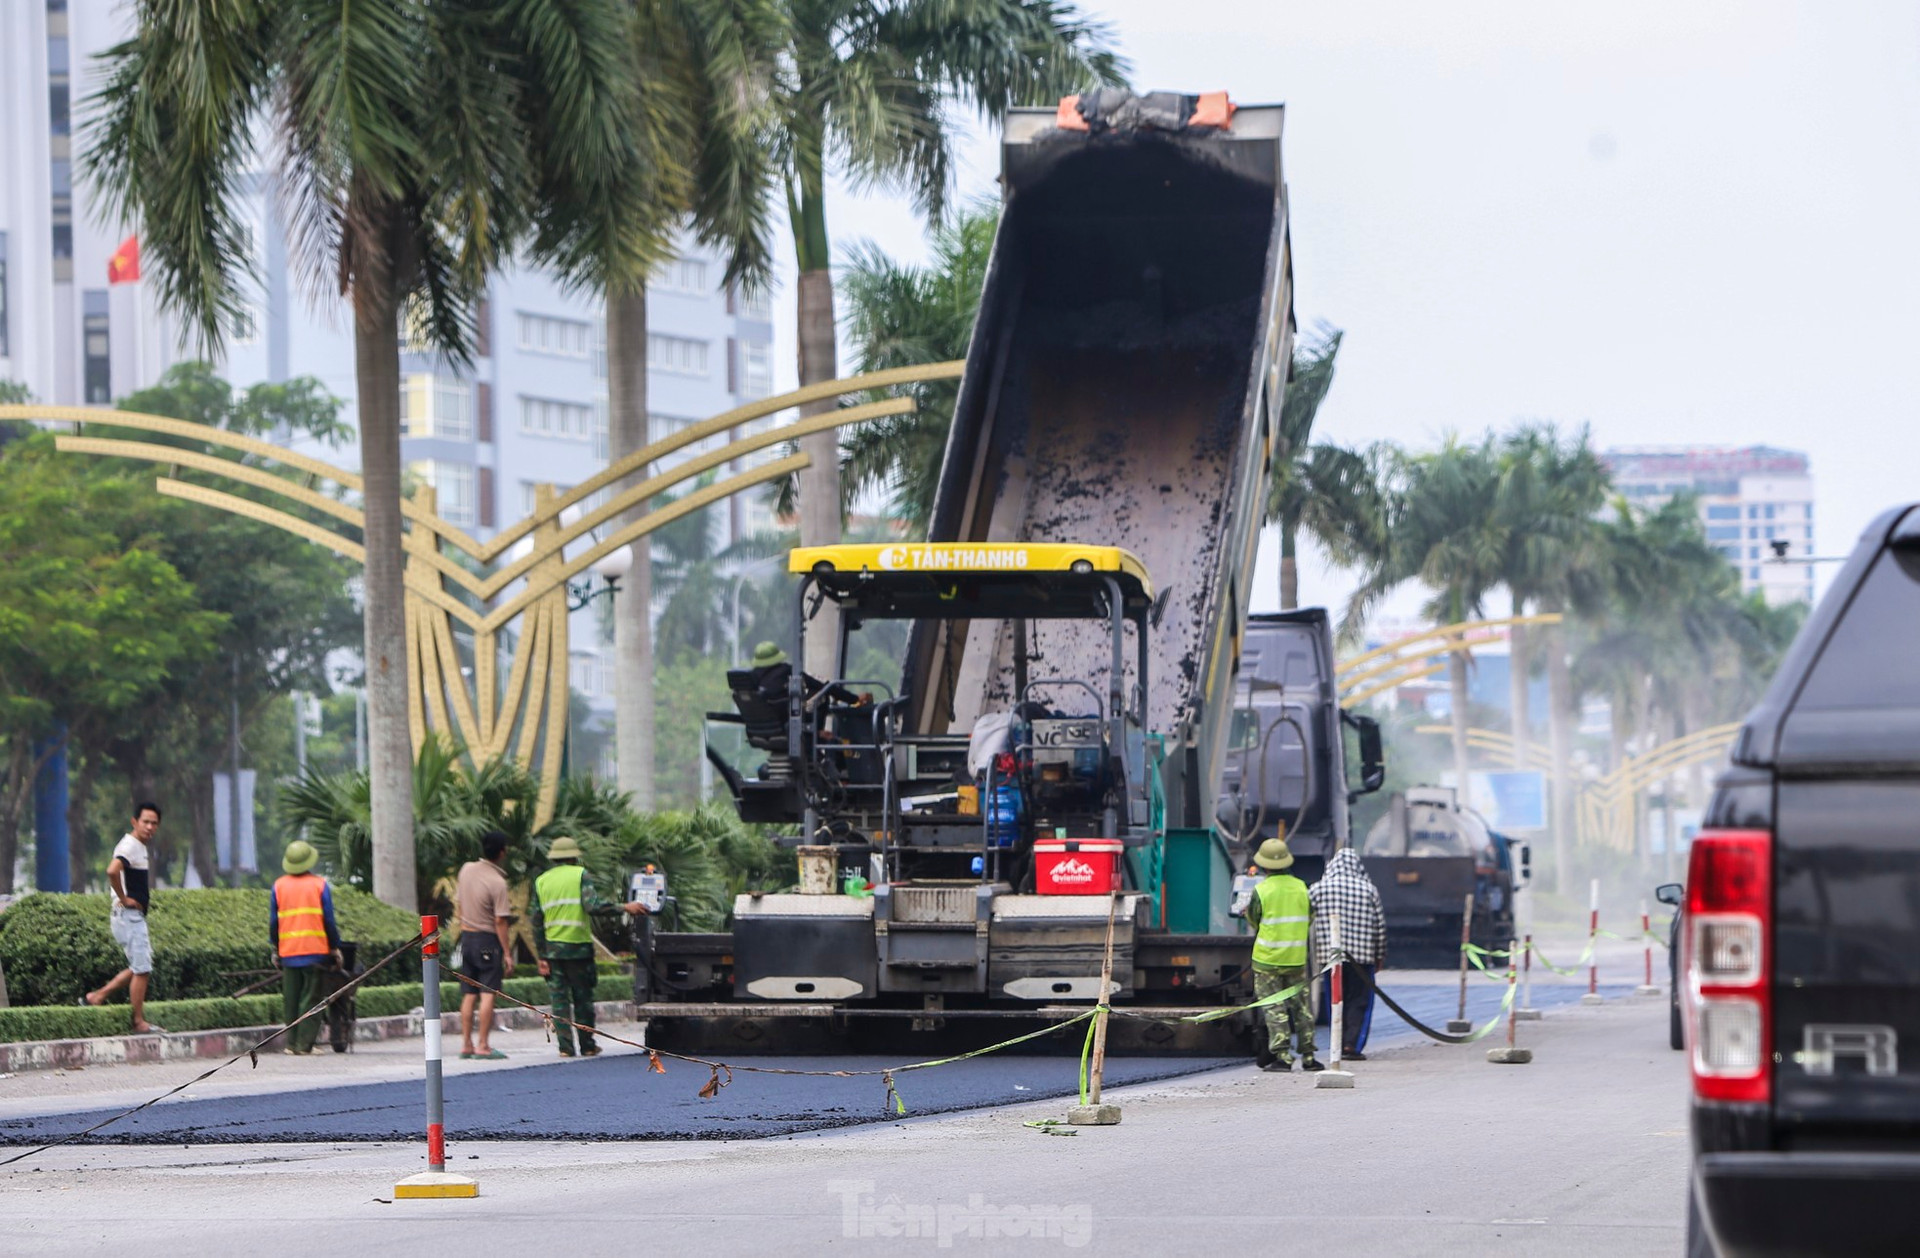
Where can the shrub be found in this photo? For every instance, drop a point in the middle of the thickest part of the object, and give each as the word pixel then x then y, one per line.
pixel 55 947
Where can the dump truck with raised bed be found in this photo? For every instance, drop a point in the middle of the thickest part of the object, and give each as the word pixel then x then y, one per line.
pixel 1051 751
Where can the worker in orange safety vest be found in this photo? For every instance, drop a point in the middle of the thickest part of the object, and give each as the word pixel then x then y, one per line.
pixel 300 924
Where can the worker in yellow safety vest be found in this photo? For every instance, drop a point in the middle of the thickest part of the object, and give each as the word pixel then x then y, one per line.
pixel 563 901
pixel 305 939
pixel 1280 913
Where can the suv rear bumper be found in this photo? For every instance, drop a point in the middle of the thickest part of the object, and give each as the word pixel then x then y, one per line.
pixel 1809 1203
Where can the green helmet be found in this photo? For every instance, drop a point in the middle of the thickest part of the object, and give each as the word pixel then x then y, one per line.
pixel 564 849
pixel 300 857
pixel 1273 854
pixel 768 654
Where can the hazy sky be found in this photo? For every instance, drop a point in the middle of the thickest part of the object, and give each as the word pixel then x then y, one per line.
pixel 1676 223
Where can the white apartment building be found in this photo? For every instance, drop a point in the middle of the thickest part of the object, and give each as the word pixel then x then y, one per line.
pixel 1755 501
pixel 530 408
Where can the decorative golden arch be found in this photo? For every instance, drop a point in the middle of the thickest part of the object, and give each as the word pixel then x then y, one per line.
pixel 452 577
pixel 1397 663
pixel 1606 804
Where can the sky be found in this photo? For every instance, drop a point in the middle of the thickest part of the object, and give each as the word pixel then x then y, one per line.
pixel 1674 223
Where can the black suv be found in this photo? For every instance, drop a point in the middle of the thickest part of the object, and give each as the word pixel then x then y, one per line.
pixel 1802 937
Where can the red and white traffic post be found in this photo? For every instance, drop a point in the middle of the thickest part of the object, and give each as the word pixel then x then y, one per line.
pixel 1593 946
pixel 435 1182
pixel 1647 987
pixel 1336 1075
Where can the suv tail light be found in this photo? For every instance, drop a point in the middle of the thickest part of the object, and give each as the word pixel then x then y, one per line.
pixel 1730 1005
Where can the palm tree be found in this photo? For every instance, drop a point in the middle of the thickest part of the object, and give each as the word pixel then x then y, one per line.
pixel 1550 489
pixel 417 141
pixel 698 164
pixel 1328 490
pixel 1443 531
pixel 868 86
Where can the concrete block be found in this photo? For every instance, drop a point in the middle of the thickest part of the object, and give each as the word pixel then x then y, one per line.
pixel 1526 1015
pixel 1593 998
pixel 1504 1056
pixel 1331 1078
pixel 1644 990
pixel 1093 1115
pixel 1458 1026
pixel 431 1184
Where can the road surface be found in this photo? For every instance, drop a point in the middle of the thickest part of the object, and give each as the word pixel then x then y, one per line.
pixel 1435 1152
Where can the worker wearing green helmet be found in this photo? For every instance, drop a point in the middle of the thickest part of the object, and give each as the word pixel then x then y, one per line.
pixel 563 903
pixel 1279 912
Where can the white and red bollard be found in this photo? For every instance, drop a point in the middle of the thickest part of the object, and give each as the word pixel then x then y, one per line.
pixel 1511 1054
pixel 1336 1075
pixel 434 1182
pixel 1593 947
pixel 1647 987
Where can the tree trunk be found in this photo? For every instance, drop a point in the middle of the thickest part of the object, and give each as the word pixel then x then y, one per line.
pixel 820 479
pixel 628 430
pixel 1560 725
pixel 19 789
pixel 376 336
pixel 1289 570
pixel 201 807
pixel 1457 685
pixel 1520 705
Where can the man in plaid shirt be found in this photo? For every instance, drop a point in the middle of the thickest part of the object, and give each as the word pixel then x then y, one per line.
pixel 1346 890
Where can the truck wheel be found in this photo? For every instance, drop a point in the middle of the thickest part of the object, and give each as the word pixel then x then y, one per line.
pixel 1676 1034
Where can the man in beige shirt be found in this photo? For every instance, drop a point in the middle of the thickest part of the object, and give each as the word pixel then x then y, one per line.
pixel 486 915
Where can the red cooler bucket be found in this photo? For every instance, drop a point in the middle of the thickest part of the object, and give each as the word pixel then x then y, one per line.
pixel 1076 866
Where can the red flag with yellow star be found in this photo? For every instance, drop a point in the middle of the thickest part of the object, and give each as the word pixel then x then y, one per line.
pixel 124 266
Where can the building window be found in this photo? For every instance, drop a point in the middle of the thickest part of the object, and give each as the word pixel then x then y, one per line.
pixel 1769 514
pixel 1723 532
pixel 243 328
pixel 543 334
pixel 1753 574
pixel 756 369
pixel 676 354
pixel 681 275
pixel 96 342
pixel 436 406
pixel 545 417
pixel 602 432
pixel 452 486
pixel 1723 513
pixel 416 336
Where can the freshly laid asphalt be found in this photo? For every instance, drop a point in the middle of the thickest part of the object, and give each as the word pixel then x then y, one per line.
pixel 619 1098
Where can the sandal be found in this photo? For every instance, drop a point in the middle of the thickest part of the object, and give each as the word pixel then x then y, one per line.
pixel 492 1054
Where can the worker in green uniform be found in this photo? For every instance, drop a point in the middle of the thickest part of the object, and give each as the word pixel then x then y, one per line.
pixel 563 899
pixel 1279 913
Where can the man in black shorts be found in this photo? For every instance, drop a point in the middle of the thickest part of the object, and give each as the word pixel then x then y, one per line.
pixel 486 915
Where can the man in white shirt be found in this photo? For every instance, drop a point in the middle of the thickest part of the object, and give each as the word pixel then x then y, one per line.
pixel 127 874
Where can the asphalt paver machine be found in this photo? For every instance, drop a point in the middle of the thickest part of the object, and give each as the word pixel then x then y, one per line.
pixel 1058 726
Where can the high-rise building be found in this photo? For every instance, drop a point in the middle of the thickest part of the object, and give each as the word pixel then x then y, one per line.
pixel 530 407
pixel 1755 501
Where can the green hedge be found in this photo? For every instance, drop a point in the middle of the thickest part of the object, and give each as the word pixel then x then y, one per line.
pixel 55 947
pixel 75 1023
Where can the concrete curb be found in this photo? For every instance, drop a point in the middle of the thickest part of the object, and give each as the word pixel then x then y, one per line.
pixel 114 1050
